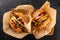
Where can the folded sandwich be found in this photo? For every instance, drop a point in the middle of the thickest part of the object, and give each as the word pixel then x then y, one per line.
pixel 24 19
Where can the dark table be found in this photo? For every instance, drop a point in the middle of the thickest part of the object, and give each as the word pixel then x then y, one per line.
pixel 6 5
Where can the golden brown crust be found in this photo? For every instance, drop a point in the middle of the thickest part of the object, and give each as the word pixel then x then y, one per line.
pixel 20 14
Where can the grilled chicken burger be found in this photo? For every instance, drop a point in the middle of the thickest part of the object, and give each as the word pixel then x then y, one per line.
pixel 40 20
pixel 17 20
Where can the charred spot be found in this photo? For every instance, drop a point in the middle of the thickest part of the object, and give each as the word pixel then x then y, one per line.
pixel 33 23
pixel 44 12
pixel 39 15
pixel 19 19
pixel 15 15
pixel 14 23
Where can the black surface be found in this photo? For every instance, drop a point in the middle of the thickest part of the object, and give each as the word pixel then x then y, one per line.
pixel 6 5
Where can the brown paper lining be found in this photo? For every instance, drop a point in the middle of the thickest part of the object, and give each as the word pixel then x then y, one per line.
pixel 49 31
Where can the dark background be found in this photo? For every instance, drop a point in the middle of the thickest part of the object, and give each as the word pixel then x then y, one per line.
pixel 6 5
